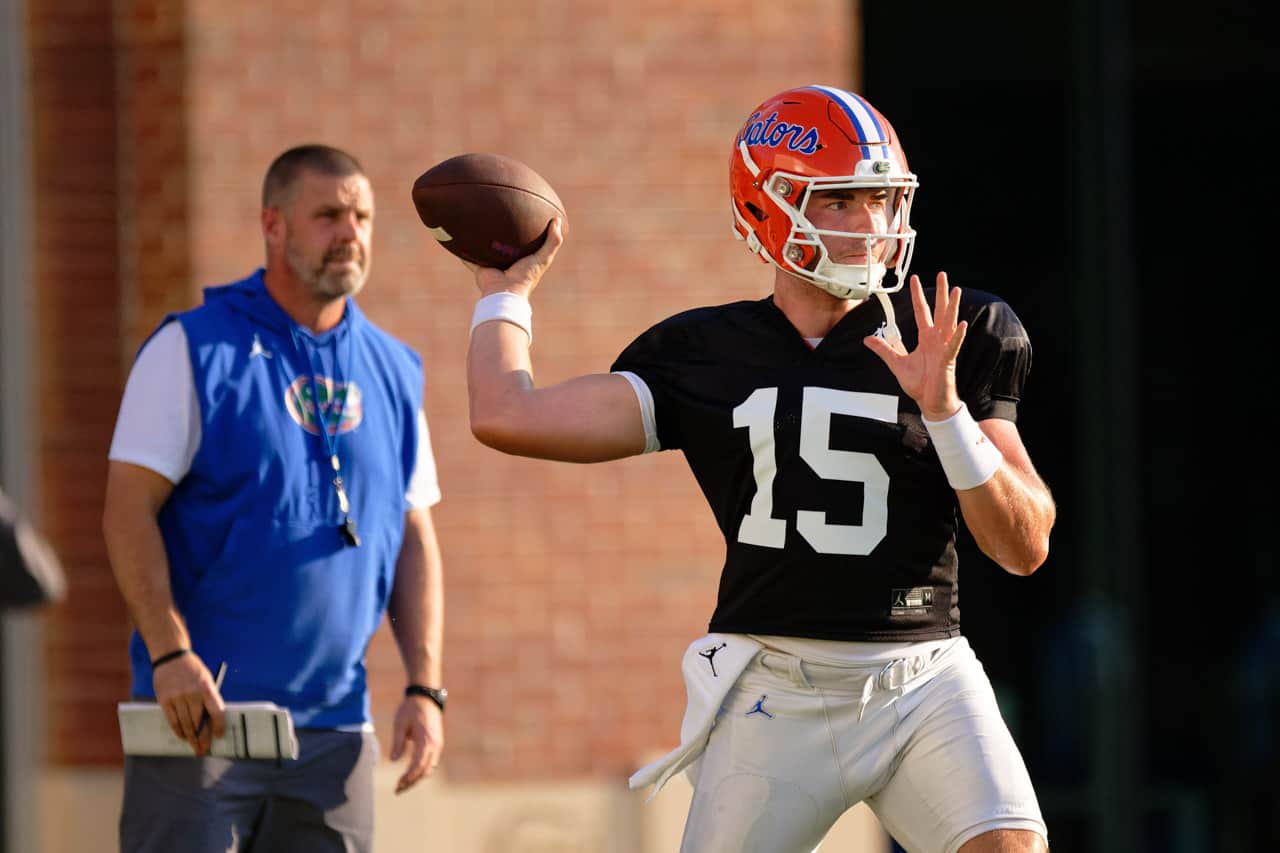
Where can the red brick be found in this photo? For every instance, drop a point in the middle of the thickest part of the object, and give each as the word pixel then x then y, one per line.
pixel 572 590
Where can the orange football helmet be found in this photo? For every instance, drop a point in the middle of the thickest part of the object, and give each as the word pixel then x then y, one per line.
pixel 812 139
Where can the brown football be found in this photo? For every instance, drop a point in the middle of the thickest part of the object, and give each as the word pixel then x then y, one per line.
pixel 488 209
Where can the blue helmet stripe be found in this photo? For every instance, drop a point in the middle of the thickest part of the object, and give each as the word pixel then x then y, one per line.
pixel 863 119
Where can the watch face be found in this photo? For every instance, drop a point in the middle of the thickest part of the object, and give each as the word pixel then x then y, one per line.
pixel 435 694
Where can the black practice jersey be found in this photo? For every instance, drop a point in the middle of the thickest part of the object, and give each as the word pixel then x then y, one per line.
pixel 838 520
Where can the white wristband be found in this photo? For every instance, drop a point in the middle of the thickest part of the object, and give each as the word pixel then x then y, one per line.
pixel 505 305
pixel 968 457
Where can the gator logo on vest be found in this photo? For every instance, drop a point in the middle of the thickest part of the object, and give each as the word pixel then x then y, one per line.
pixel 334 396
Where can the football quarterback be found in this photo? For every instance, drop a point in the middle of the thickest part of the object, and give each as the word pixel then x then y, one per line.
pixel 841 429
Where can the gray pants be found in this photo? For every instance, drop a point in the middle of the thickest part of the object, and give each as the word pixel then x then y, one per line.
pixel 318 803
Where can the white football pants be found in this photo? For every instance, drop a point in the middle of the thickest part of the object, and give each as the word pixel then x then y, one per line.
pixel 796 744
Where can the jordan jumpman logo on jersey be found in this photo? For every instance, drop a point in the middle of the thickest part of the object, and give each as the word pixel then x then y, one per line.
pixel 257 348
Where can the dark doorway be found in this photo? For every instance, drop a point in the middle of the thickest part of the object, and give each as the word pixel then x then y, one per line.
pixel 1100 166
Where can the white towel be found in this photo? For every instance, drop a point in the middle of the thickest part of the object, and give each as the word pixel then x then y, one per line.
pixel 711 666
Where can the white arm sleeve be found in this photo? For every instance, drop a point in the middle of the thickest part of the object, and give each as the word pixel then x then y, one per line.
pixel 158 426
pixel 424 488
pixel 645 397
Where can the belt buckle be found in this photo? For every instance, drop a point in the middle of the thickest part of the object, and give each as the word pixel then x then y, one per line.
pixel 898 672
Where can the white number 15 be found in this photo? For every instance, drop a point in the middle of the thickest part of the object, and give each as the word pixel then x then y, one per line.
pixel 759 527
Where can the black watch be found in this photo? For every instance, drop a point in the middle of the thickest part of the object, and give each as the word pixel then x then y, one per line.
pixel 435 694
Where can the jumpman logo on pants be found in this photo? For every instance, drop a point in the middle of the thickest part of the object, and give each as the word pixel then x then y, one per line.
pixel 758 708
pixel 710 654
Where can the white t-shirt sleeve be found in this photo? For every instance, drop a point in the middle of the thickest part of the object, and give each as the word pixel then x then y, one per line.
pixel 424 488
pixel 158 426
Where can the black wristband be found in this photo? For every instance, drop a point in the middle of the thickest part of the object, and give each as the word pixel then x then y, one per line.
pixel 173 655
pixel 435 694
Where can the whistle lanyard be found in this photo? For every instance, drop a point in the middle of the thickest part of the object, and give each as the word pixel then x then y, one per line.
pixel 347 529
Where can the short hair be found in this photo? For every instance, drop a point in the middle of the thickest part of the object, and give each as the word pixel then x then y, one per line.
pixel 282 175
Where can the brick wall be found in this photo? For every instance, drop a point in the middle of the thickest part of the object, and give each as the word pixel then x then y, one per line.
pixel 571 590
pixel 75 265
pixel 154 177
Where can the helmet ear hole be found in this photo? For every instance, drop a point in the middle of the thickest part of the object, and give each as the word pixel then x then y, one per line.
pixel 755 211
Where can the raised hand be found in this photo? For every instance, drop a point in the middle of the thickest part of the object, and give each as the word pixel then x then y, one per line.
pixel 522 276
pixel 928 373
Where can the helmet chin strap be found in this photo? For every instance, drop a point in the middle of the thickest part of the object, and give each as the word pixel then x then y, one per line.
pixel 891 334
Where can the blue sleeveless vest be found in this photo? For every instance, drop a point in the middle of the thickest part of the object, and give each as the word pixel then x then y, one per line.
pixel 258 567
